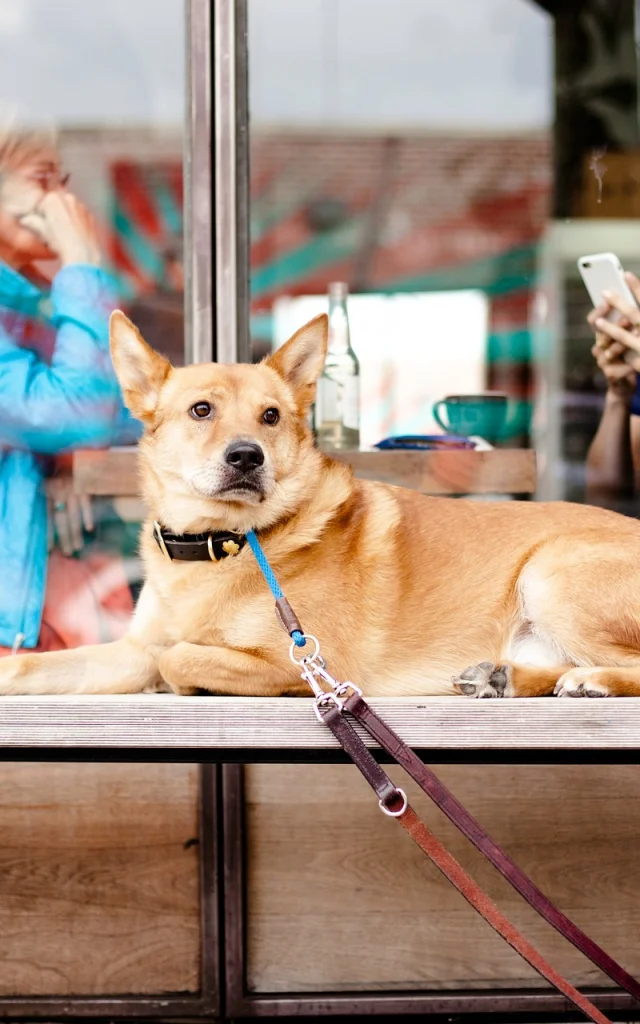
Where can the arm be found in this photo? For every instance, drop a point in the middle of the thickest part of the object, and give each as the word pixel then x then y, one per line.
pixel 611 458
pixel 75 401
pixel 635 448
pixel 613 462
pixel 614 454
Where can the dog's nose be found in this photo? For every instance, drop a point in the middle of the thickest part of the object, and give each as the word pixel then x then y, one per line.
pixel 244 456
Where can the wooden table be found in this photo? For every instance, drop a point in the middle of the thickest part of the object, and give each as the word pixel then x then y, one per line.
pixel 498 471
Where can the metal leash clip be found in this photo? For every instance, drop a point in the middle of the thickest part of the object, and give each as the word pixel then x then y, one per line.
pixel 313 671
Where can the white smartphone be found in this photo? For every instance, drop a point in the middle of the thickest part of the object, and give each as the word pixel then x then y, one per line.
pixel 603 272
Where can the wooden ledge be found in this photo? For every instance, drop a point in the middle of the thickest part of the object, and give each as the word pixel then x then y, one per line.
pixel 498 471
pixel 255 726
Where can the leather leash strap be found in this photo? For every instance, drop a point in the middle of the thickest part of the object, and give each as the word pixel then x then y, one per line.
pixel 388 794
pixel 473 830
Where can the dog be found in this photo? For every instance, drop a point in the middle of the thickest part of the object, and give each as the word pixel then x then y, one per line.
pixel 402 590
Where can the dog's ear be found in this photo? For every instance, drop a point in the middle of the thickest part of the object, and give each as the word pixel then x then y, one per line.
pixel 301 358
pixel 140 371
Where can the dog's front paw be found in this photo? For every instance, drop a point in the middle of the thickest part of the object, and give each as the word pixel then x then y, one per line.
pixel 581 682
pixel 484 680
pixel 12 674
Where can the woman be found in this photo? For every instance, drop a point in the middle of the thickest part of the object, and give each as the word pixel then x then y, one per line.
pixel 613 461
pixel 58 390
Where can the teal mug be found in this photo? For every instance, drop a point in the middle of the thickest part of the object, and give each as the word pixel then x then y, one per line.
pixel 482 415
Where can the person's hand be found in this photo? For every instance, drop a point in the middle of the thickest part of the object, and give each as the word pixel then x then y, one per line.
pixel 19 196
pixel 617 345
pixel 66 227
pixel 69 513
pixel 621 378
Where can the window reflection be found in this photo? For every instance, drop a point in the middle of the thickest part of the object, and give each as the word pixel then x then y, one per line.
pixel 91 111
pixel 475 149
pixel 395 167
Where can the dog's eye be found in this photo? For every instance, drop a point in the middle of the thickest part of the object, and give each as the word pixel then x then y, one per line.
pixel 271 416
pixel 200 411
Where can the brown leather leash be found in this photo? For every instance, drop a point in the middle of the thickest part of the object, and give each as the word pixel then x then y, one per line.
pixel 475 833
pixel 334 703
pixel 394 803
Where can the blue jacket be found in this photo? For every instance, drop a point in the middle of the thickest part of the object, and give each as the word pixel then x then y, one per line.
pixel 48 407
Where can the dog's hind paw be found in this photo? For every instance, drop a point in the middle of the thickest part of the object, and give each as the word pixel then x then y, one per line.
pixel 484 680
pixel 580 682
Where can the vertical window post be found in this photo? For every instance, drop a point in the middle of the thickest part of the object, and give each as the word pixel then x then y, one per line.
pixel 230 180
pixel 198 211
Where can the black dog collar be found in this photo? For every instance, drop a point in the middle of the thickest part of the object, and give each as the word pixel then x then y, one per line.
pixel 197 547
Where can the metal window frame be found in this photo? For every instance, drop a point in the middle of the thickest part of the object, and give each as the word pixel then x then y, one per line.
pixel 198 208
pixel 216 173
pixel 217 183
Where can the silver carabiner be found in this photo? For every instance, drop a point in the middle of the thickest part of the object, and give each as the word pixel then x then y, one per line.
pixel 342 688
pixel 320 670
pixel 309 676
pixel 326 698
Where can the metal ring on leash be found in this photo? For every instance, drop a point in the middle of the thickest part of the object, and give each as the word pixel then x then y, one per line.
pixel 395 814
pixel 305 657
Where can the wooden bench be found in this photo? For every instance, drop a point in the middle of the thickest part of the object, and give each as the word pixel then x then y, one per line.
pixel 279 729
pixel 270 921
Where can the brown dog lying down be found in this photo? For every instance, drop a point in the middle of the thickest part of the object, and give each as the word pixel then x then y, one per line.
pixel 402 590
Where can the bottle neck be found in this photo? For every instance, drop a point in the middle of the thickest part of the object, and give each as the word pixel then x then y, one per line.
pixel 339 336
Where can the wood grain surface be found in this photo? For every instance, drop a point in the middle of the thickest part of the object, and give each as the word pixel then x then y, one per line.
pixel 98 879
pixel 255 724
pixel 340 898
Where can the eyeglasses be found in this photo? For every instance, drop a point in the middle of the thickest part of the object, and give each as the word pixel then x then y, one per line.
pixel 49 178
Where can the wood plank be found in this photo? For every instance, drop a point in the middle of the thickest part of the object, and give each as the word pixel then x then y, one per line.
pixel 111 473
pixel 499 471
pixel 338 897
pixel 255 724
pixel 99 886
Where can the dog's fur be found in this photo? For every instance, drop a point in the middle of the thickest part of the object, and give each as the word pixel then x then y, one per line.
pixel 403 590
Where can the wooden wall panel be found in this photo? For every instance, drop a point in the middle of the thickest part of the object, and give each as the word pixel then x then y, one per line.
pixel 340 898
pixel 99 884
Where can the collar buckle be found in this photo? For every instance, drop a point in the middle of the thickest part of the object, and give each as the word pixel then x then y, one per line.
pixel 212 554
pixel 157 532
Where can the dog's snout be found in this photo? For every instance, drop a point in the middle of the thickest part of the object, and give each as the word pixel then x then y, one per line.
pixel 244 456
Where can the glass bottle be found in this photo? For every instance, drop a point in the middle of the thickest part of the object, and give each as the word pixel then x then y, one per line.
pixel 337 406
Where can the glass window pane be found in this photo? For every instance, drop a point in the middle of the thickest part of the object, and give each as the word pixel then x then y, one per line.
pixel 412 161
pixel 91 219
pixel 451 164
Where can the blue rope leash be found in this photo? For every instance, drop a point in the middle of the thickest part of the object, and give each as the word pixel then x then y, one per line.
pixel 272 583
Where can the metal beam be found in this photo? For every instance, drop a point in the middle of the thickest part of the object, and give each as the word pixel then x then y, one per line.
pixel 230 180
pixel 198 214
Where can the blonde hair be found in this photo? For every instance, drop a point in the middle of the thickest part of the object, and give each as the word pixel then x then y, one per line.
pixel 19 147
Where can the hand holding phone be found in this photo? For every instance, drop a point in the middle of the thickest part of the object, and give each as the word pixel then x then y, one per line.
pixel 615 319
pixel 603 276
